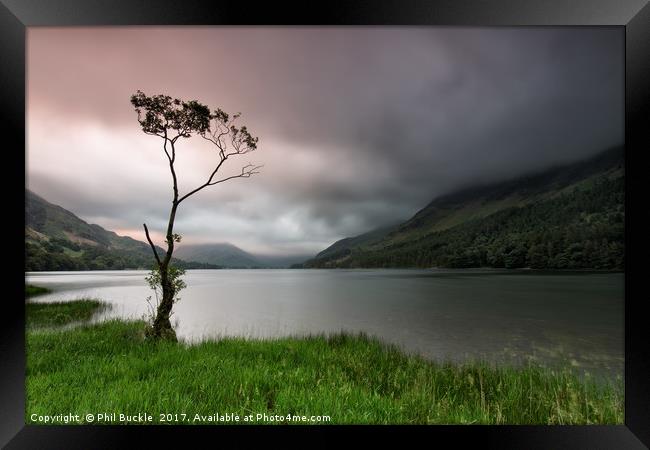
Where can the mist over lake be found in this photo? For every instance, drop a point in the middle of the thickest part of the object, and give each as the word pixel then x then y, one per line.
pixel 557 318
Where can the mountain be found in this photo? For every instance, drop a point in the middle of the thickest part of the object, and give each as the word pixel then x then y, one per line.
pixel 223 254
pixel 342 248
pixel 565 217
pixel 281 261
pixel 228 255
pixel 56 239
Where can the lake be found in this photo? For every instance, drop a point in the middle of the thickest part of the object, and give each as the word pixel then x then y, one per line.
pixel 558 319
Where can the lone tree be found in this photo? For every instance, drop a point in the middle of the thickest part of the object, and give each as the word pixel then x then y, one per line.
pixel 172 119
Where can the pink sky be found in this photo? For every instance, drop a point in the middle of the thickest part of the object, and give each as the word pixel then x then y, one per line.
pixel 358 127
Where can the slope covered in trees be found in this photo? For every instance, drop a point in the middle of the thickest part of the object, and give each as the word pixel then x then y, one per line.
pixel 569 217
pixel 56 239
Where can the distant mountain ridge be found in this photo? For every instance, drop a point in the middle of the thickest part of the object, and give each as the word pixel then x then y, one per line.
pixel 226 254
pixel 465 228
pixel 56 239
pixel 231 256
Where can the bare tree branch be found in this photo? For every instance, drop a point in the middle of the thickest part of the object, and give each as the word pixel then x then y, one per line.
pixel 207 183
pixel 153 247
pixel 171 168
pixel 246 172
pixel 165 148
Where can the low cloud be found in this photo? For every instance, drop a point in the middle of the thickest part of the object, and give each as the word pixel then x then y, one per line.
pixel 358 127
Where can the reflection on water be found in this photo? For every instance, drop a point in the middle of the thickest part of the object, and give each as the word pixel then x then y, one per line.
pixel 568 319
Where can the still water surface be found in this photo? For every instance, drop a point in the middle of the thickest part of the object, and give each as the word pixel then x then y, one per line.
pixel 559 319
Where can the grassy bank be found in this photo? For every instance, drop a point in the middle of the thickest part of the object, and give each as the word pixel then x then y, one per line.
pixel 55 314
pixel 109 368
pixel 31 290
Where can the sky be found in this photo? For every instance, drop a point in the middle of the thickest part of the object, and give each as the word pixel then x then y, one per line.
pixel 359 127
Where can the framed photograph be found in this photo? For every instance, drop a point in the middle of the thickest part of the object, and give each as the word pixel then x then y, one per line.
pixel 379 218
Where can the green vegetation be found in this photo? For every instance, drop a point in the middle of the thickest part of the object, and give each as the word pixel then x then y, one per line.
pixel 40 315
pixel 580 230
pixel 110 367
pixel 571 218
pixel 56 255
pixel 31 290
pixel 56 239
pixel 223 254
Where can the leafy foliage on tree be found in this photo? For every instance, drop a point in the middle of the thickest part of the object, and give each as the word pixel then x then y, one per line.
pixel 173 119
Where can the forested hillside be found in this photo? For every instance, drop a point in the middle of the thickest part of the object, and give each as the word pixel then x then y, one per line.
pixel 567 218
pixel 56 239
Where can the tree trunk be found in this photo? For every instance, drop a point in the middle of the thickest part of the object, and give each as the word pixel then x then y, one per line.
pixel 162 327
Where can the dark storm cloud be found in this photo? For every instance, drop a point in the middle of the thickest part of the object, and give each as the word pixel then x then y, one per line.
pixel 358 126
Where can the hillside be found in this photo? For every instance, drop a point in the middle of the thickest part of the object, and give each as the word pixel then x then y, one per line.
pixel 223 254
pixel 230 256
pixel 565 217
pixel 281 261
pixel 56 239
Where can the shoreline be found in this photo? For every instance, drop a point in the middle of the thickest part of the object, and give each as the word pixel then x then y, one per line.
pixel 484 269
pixel 110 367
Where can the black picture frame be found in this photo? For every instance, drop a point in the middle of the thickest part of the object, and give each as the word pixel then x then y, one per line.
pixel 16 15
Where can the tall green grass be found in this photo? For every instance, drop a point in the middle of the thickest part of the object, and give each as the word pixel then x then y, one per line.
pixel 31 290
pixel 110 368
pixel 61 313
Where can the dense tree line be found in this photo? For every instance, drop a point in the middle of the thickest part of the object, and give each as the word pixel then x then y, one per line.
pixel 581 229
pixel 62 254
